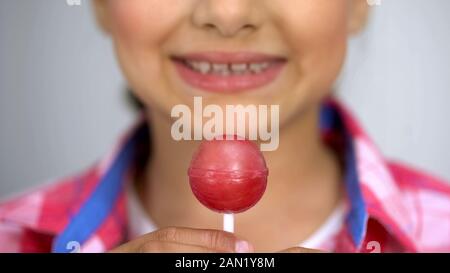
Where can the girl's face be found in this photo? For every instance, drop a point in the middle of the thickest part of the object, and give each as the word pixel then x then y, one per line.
pixel 261 52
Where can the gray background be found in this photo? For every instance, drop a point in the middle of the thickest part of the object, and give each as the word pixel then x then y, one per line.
pixel 62 105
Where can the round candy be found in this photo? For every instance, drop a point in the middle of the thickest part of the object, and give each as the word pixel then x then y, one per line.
pixel 228 176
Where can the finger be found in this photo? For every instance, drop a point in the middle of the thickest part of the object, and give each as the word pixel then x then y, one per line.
pixel 300 250
pixel 172 247
pixel 213 239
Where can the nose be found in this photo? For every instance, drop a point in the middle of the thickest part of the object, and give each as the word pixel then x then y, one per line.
pixel 227 18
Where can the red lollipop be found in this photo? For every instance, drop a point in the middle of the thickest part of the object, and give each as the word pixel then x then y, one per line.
pixel 228 176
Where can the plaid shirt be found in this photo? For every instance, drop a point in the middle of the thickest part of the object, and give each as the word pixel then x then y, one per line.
pixel 391 208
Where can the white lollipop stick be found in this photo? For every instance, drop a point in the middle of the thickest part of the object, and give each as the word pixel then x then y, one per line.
pixel 228 222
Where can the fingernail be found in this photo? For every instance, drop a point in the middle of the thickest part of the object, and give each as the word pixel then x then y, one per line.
pixel 243 247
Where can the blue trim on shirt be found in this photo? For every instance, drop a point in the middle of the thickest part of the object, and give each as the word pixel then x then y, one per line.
pixel 99 205
pixel 356 219
pixel 357 216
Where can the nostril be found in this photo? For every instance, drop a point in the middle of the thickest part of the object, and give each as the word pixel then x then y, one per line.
pixel 249 26
pixel 231 30
pixel 210 26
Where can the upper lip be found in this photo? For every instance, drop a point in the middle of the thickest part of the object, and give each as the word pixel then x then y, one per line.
pixel 229 57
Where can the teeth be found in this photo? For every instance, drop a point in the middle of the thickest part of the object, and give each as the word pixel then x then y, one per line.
pixel 265 65
pixel 257 68
pixel 221 69
pixel 204 67
pixel 239 68
pixel 227 69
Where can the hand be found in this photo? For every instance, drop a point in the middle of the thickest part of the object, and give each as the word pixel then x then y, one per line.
pixel 183 240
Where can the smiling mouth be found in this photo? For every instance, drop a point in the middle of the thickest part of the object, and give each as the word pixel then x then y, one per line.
pixel 228 72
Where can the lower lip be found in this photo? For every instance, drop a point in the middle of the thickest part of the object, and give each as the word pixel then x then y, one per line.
pixel 228 84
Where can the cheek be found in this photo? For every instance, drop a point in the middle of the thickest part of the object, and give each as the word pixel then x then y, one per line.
pixel 317 33
pixel 133 21
pixel 139 29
